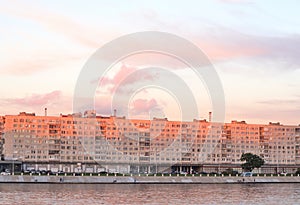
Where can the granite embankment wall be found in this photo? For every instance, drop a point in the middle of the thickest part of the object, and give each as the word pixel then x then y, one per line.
pixel 146 179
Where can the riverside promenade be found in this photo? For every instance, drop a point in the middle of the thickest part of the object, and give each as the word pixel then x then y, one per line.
pixel 138 179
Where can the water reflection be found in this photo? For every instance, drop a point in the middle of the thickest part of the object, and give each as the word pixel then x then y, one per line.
pixel 150 194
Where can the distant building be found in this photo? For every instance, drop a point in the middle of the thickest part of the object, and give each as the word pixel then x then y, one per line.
pixel 90 143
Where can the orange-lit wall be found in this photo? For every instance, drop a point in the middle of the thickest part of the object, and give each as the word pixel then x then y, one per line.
pixel 116 140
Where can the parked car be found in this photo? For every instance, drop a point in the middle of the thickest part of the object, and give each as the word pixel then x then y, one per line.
pixel 26 171
pixel 175 172
pixel 213 173
pixel 183 173
pixel 60 172
pixel 33 171
pixel 50 172
pixel 5 173
pixel 203 173
pixel 283 173
pixel 230 171
pixel 246 174
pixel 43 172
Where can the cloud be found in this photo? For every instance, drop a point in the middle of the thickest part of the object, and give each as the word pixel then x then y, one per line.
pixel 124 71
pixel 55 101
pixel 224 44
pixel 54 22
pixel 47 40
pixel 143 106
pixel 221 50
pixel 125 76
pixel 218 42
pixel 105 105
pixel 36 100
pixel 279 102
pixel 155 59
pixel 29 64
pixel 283 49
pixel 221 43
pixel 115 89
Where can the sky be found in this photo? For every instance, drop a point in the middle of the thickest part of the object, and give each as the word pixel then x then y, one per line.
pixel 253 45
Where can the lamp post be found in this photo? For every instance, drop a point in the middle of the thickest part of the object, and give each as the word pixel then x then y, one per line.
pixel 13 166
pixel 13 162
pixel 274 140
pixel 277 151
pixel 155 159
pixel 277 156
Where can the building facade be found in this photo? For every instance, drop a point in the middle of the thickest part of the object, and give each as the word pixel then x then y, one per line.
pixel 90 143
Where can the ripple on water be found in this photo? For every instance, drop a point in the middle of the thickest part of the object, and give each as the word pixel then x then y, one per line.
pixel 149 194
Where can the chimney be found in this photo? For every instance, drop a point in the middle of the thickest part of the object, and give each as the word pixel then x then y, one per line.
pixel 115 113
pixel 209 116
pixel 45 111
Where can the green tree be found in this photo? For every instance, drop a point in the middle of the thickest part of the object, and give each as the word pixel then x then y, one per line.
pixel 252 161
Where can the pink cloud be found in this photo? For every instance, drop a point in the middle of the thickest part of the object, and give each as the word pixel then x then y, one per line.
pixel 124 77
pixel 155 59
pixel 29 60
pixel 221 51
pixel 55 22
pixel 226 44
pixel 144 105
pixel 113 91
pixel 217 42
pixel 36 62
pixel 55 101
pixel 36 99
pixel 25 59
pixel 119 76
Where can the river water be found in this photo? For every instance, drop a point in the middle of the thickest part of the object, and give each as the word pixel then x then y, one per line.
pixel 89 194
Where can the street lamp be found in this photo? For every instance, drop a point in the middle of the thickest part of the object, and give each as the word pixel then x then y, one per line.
pixel 155 159
pixel 277 156
pixel 13 166
pixel 13 162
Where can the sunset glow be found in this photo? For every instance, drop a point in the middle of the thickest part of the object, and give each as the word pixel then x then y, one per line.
pixel 253 46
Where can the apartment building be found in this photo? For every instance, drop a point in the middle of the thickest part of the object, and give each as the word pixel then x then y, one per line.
pixel 274 142
pixel 90 143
